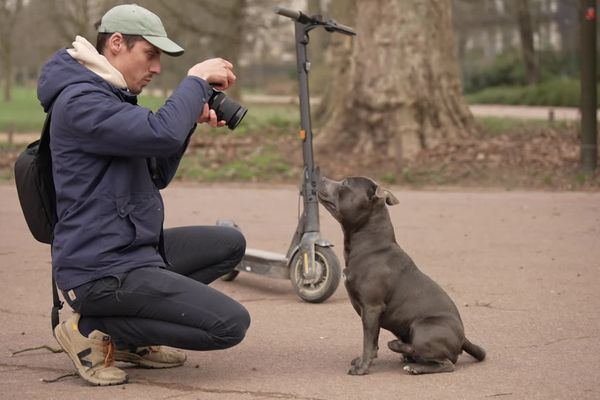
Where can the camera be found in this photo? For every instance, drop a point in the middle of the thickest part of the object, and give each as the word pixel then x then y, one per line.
pixel 227 110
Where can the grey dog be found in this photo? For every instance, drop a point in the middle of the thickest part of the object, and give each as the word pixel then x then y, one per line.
pixel 387 289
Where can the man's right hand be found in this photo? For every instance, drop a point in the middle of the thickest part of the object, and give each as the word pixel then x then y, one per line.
pixel 216 71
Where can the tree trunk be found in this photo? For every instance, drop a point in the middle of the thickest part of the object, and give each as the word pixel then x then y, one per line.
pixel 319 41
pixel 221 25
pixel 338 58
pixel 399 90
pixel 520 9
pixel 8 75
pixel 8 16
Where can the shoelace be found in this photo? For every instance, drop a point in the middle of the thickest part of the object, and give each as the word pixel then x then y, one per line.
pixel 109 359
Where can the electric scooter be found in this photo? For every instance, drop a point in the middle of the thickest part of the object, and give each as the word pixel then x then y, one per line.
pixel 309 263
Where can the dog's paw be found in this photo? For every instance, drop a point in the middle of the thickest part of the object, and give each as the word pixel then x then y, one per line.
pixel 358 369
pixel 429 368
pixel 414 369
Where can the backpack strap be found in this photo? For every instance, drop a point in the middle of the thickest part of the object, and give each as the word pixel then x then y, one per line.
pixel 45 137
pixel 57 305
pixel 44 147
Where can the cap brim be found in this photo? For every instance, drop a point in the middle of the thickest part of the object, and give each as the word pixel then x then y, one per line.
pixel 165 44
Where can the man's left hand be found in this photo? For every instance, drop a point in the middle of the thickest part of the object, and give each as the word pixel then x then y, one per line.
pixel 210 117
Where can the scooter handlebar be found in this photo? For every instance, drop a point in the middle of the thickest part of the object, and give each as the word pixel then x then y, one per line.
pixel 343 29
pixel 330 25
pixel 286 12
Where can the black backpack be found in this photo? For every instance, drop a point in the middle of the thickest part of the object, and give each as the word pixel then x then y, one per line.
pixel 35 187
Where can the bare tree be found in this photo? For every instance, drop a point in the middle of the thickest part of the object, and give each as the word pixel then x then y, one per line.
pixel 72 18
pixel 337 54
pixel 215 25
pixel 319 42
pixel 9 11
pixel 75 17
pixel 520 10
pixel 399 88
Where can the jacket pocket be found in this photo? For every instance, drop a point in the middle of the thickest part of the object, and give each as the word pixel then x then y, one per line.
pixel 143 212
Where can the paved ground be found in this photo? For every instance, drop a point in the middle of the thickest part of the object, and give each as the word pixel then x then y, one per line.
pixel 523 268
pixel 525 112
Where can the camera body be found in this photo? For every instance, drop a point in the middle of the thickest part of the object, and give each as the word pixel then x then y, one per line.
pixel 226 109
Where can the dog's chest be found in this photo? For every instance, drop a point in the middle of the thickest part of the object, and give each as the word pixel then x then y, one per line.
pixel 364 280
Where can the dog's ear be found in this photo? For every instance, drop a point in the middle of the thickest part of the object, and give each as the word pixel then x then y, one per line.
pixel 384 193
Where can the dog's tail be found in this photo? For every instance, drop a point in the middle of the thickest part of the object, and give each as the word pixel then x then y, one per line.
pixel 474 350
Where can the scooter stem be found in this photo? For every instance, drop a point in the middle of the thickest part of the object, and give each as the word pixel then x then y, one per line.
pixel 308 233
pixel 310 181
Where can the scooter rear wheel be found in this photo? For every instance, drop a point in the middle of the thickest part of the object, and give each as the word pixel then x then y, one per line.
pixel 328 276
pixel 228 277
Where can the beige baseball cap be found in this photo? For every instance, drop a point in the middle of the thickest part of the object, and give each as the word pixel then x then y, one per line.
pixel 131 19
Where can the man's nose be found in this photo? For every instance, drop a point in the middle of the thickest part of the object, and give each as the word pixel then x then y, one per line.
pixel 155 67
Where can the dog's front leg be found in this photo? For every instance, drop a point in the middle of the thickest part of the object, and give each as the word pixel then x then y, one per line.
pixel 370 320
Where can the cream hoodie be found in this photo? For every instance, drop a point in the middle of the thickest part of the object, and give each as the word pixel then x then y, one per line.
pixel 87 55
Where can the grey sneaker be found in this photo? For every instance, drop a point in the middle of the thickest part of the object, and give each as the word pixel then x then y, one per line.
pixel 93 356
pixel 152 357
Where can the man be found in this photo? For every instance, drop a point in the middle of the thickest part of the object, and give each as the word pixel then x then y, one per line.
pixel 110 157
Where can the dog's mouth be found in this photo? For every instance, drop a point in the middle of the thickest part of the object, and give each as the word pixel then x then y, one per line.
pixel 326 203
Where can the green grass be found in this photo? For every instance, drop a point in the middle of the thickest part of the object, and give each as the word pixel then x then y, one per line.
pixel 25 114
pixel 258 116
pixel 557 92
pixel 266 165
pixel 261 160
pixel 492 126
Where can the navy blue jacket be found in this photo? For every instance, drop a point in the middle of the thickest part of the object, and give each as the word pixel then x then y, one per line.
pixel 110 211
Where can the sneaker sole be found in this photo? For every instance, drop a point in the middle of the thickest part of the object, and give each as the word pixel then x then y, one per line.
pixel 142 362
pixel 62 339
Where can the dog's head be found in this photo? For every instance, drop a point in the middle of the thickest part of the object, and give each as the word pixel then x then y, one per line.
pixel 353 199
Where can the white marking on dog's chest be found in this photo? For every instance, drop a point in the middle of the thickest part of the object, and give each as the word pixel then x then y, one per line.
pixel 346 275
pixel 349 278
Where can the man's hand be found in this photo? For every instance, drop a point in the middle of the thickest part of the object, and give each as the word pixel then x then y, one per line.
pixel 216 71
pixel 210 117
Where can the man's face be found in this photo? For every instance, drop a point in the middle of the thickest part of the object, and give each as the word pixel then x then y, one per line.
pixel 138 64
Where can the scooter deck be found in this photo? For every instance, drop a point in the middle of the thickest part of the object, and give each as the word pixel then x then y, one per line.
pixel 265 263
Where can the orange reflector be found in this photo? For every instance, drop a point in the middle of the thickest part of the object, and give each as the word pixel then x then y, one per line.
pixel 305 260
pixel 302 134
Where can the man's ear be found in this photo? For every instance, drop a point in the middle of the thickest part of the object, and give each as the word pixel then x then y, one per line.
pixel 384 193
pixel 115 43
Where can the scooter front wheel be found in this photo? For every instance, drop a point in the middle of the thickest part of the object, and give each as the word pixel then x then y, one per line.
pixel 327 280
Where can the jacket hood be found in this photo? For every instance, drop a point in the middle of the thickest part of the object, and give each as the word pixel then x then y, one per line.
pixel 80 64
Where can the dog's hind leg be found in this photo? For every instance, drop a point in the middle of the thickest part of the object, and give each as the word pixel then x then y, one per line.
pixel 435 344
pixel 430 367
pixel 416 364
pixel 407 351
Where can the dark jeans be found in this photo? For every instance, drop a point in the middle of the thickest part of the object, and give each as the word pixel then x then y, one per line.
pixel 174 306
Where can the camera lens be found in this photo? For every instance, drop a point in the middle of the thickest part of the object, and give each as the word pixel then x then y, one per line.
pixel 226 109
